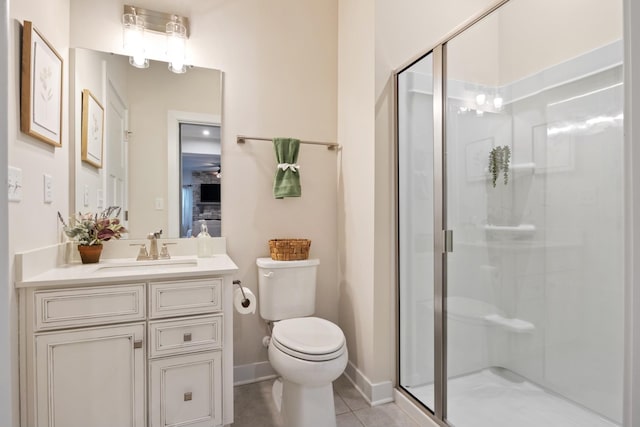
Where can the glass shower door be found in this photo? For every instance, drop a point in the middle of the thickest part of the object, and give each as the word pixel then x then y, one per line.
pixel 415 220
pixel 534 196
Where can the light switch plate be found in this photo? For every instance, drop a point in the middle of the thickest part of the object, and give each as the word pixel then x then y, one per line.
pixel 86 196
pixel 48 188
pixel 159 203
pixel 100 199
pixel 15 184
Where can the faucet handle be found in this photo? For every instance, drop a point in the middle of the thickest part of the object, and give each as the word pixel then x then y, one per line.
pixel 164 251
pixel 142 253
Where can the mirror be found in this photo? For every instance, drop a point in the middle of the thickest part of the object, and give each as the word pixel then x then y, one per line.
pixel 161 144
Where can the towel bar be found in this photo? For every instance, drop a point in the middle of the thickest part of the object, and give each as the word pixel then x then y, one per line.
pixel 330 145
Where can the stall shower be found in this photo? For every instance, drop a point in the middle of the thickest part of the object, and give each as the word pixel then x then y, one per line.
pixel 510 219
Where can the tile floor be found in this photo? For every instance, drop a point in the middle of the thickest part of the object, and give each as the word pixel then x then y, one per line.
pixel 254 407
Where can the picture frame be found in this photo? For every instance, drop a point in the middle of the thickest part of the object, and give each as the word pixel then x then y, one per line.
pixel 477 159
pixel 41 87
pixel 92 129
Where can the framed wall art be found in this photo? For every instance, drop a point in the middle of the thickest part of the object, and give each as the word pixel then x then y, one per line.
pixel 41 88
pixel 92 129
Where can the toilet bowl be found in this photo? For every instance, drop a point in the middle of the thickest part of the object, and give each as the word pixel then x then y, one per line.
pixel 309 353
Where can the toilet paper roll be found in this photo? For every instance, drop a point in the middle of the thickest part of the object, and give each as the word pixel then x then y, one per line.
pixel 238 298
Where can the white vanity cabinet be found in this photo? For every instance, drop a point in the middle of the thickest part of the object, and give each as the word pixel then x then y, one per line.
pixel 185 366
pixel 146 353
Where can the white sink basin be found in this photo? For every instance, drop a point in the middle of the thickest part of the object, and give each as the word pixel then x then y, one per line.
pixel 149 265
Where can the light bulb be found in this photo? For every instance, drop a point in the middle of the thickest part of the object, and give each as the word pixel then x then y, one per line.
pixel 176 45
pixel 133 39
pixel 497 102
pixel 481 98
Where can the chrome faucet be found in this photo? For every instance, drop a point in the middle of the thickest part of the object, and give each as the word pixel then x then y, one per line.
pixel 153 246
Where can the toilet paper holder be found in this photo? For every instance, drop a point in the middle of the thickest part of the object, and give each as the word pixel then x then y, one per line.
pixel 245 301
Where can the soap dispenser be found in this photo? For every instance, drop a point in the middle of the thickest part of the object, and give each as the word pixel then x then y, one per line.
pixel 205 242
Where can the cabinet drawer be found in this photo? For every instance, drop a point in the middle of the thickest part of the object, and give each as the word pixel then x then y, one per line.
pixel 185 297
pixel 186 390
pixel 63 308
pixel 168 337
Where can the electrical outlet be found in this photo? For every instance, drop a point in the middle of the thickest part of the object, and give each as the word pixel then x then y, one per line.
pixel 15 184
pixel 48 188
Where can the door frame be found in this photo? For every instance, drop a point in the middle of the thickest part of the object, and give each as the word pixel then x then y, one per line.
pixel 174 119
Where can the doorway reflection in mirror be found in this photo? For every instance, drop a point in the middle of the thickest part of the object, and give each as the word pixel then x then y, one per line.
pixel 200 173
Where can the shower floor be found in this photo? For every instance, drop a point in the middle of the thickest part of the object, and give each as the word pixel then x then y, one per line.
pixel 499 398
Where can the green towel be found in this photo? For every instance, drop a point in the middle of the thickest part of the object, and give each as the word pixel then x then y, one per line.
pixel 287 180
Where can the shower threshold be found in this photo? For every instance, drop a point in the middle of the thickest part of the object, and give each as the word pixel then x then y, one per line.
pixel 497 397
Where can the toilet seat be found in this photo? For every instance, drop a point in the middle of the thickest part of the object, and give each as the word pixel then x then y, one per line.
pixel 309 338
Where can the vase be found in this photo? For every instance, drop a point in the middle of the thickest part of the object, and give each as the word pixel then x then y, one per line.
pixel 90 254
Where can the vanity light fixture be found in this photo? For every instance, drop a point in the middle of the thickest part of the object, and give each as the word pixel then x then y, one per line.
pixel 176 45
pixel 133 38
pixel 136 21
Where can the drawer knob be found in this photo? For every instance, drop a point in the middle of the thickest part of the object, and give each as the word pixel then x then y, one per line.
pixel 186 337
pixel 188 396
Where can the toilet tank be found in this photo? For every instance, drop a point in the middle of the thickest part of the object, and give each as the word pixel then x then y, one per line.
pixel 286 289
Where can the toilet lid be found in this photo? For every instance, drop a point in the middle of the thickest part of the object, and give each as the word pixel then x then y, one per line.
pixel 309 335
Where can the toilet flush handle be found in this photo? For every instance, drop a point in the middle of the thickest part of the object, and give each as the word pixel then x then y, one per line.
pixel 269 274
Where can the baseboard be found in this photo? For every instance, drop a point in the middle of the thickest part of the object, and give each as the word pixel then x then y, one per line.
pixel 412 410
pixel 374 393
pixel 252 373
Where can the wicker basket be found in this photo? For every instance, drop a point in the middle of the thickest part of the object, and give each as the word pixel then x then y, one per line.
pixel 289 249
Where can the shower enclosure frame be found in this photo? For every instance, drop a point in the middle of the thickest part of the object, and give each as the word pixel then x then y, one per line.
pixel 440 215
pixel 442 243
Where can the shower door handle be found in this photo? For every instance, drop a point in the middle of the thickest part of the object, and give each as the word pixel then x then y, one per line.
pixel 448 241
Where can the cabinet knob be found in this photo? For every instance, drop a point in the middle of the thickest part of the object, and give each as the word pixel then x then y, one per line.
pixel 186 337
pixel 137 344
pixel 188 396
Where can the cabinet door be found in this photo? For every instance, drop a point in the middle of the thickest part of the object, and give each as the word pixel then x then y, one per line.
pixel 186 391
pixel 91 377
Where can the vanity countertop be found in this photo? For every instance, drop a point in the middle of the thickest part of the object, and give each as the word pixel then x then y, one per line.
pixel 114 270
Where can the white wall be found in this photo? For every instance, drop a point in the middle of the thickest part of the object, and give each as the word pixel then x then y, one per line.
pixel 7 391
pixel 399 31
pixel 279 61
pixel 32 222
pixel 571 28
pixel 356 178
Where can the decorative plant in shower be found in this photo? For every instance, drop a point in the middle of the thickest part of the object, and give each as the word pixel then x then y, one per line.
pixel 499 158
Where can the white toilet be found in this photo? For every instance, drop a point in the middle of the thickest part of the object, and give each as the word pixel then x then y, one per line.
pixel 309 353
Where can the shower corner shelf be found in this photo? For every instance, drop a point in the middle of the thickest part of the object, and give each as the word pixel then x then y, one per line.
pixel 513 325
pixel 518 229
pixel 528 167
pixel 523 167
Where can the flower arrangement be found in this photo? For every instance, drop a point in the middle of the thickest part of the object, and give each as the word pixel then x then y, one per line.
pixel 91 229
pixel 499 158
